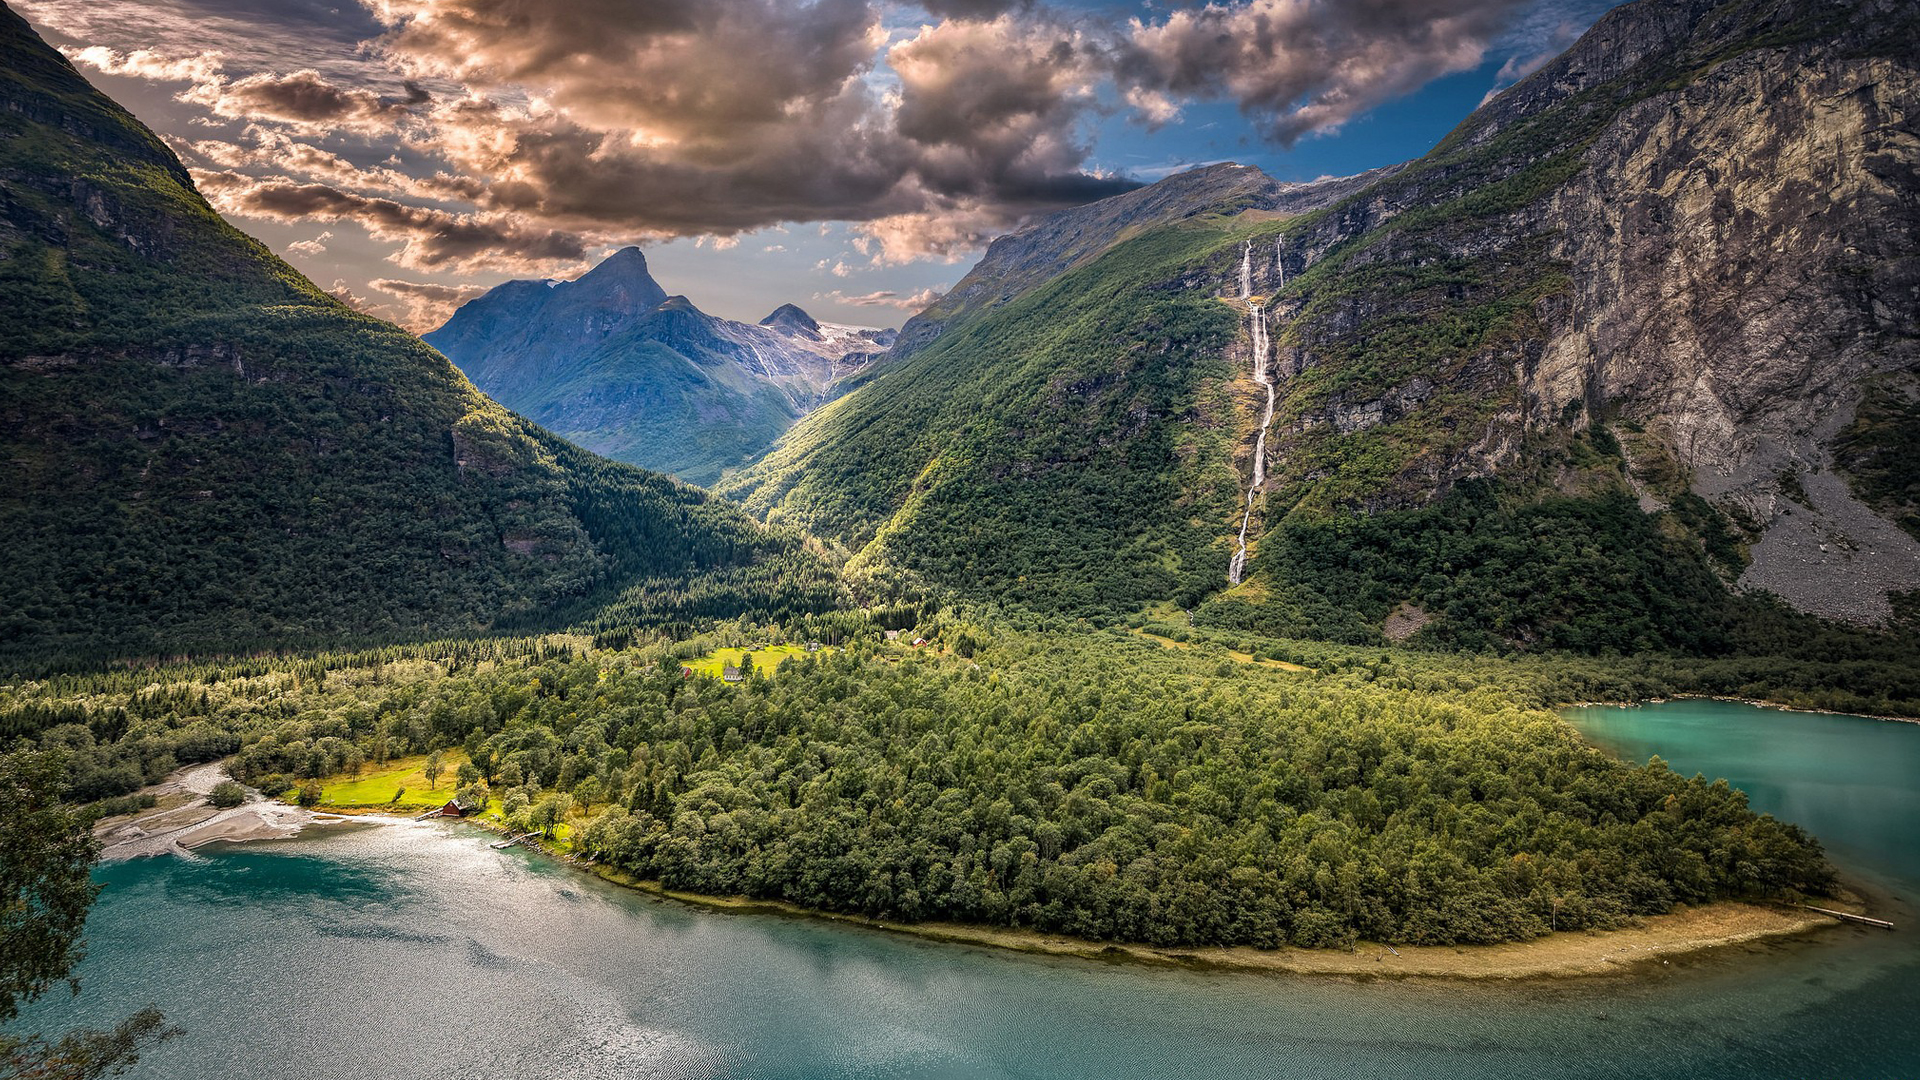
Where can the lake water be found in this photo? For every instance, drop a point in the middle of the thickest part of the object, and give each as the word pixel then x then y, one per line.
pixel 418 952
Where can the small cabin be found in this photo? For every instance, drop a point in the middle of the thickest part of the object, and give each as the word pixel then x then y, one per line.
pixel 919 641
pixel 457 808
pixel 731 674
pixel 813 646
pixel 893 635
pixel 686 672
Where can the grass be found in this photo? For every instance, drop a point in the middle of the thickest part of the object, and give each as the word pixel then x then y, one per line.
pixel 1232 654
pixel 766 659
pixel 375 788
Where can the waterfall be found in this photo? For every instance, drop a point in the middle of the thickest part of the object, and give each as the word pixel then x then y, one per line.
pixel 1246 270
pixel 1262 350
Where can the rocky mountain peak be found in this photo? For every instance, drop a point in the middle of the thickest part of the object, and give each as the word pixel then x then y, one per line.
pixel 624 279
pixel 791 319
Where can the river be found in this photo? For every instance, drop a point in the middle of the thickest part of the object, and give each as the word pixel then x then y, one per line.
pixel 418 952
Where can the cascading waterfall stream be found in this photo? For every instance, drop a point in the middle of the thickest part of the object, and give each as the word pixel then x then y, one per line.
pixel 1262 349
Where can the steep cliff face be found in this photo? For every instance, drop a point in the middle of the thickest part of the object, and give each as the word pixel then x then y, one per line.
pixel 1697 228
pixel 1747 254
pixel 618 366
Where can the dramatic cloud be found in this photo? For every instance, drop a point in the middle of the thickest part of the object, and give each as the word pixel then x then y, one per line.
pixel 515 137
pixel 430 238
pixel 687 117
pixel 680 70
pixel 1302 66
pixel 886 298
pixel 304 100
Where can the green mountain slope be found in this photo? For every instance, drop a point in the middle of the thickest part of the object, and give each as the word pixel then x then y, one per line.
pixel 1548 386
pixel 1059 452
pixel 203 450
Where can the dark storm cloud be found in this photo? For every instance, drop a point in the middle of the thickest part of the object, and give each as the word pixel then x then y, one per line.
pixel 431 238
pixel 306 101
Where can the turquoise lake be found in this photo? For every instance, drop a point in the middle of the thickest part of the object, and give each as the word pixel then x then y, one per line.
pixel 418 952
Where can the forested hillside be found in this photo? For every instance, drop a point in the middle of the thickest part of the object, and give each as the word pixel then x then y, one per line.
pixel 1036 455
pixel 206 451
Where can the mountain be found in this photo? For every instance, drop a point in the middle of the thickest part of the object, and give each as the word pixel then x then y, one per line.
pixel 615 364
pixel 1632 346
pixel 205 451
pixel 1020 261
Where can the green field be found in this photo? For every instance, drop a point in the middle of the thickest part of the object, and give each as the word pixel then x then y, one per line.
pixel 375 786
pixel 766 659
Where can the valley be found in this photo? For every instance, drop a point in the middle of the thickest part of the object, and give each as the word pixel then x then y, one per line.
pixel 1197 594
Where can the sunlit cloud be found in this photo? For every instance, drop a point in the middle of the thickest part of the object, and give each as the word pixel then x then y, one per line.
pixel 915 301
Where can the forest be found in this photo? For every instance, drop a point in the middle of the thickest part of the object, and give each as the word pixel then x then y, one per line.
pixel 1099 784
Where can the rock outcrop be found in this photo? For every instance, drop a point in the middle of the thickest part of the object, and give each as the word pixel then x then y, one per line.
pixel 1702 220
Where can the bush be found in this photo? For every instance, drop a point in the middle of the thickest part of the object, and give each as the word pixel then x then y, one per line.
pixel 309 794
pixel 227 793
pixel 124 804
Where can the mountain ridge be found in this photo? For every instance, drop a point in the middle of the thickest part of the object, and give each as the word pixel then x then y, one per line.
pixel 614 363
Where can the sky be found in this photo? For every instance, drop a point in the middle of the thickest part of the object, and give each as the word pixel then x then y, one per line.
pixel 850 156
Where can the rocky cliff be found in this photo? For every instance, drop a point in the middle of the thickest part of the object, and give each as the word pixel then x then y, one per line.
pixel 1699 228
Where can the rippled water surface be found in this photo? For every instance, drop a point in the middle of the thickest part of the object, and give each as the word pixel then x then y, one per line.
pixel 418 952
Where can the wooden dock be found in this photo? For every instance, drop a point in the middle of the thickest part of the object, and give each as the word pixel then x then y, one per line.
pixel 1850 917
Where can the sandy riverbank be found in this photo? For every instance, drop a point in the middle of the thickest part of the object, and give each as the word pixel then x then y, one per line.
pixel 1568 954
pixel 184 818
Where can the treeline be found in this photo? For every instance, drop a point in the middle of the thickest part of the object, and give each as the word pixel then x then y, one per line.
pixel 1495 572
pixel 1841 671
pixel 1100 786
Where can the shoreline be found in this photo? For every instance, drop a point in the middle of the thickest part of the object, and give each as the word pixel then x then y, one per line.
pixel 189 820
pixel 1755 702
pixel 1561 955
pixel 1684 932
